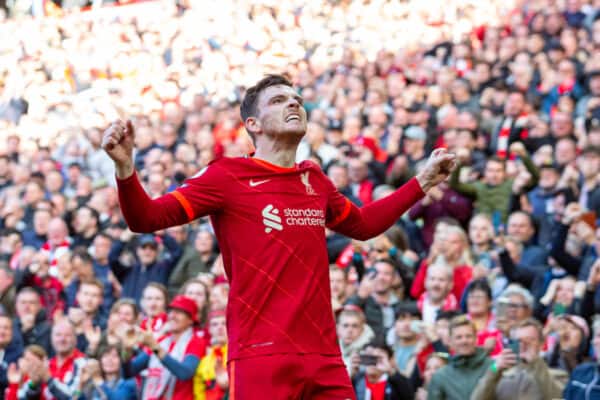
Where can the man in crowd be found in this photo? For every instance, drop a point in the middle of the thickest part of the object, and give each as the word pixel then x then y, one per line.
pixel 59 377
pixel 458 379
pixel 376 297
pixel 353 333
pixel 521 375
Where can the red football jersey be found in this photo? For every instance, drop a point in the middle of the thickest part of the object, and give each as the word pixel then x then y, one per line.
pixel 270 224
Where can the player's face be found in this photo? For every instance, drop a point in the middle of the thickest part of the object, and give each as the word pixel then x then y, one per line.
pixel 280 112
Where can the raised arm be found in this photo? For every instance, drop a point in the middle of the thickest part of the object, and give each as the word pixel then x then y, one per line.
pixel 142 213
pixel 374 218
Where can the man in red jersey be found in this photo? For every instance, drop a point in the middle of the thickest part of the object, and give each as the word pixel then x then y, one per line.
pixel 269 215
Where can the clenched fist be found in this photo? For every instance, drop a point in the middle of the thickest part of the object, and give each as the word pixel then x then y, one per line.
pixel 439 165
pixel 118 142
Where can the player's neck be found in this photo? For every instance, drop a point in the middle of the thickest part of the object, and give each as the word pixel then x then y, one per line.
pixel 282 157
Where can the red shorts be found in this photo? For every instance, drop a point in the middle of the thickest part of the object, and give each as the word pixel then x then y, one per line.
pixel 290 377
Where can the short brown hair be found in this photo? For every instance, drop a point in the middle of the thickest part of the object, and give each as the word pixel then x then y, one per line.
pixel 36 350
pixel 250 101
pixel 532 322
pixel 93 282
pixel 461 320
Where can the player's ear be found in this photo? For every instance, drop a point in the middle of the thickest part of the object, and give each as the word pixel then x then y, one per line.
pixel 252 125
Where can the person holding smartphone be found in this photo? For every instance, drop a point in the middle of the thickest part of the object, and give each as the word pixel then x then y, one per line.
pixel 519 372
pixel 378 377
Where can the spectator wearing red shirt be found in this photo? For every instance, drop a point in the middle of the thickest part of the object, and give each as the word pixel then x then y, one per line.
pixel 451 246
pixel 59 377
pixel 37 276
pixel 154 307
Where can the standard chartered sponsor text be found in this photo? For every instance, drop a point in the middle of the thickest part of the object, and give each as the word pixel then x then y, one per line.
pixel 304 216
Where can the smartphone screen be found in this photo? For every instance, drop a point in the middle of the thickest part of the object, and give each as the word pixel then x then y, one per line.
pixel 368 359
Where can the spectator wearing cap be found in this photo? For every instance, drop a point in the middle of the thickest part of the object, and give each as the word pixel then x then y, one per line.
pixel 211 381
pixel 353 333
pixel 525 375
pixel 375 296
pixel 146 268
pixel 458 379
pixel 404 337
pixel 583 382
pixel 175 357
pixel 381 380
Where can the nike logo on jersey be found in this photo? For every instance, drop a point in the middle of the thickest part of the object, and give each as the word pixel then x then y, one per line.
pixel 256 183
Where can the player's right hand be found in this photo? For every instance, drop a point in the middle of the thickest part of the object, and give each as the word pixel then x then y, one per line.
pixel 118 142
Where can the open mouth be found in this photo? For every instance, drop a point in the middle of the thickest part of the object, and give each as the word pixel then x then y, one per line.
pixel 293 117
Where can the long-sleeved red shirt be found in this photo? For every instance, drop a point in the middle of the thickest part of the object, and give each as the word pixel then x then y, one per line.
pixel 270 222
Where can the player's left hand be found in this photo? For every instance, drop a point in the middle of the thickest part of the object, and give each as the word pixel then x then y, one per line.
pixel 439 166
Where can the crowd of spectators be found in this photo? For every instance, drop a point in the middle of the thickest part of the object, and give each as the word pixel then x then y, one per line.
pixel 486 289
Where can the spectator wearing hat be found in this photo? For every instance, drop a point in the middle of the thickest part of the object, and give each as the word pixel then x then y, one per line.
pixel 174 358
pixel 211 381
pixel 353 333
pixel 458 379
pixel 147 267
pixel 583 382
pixel 522 375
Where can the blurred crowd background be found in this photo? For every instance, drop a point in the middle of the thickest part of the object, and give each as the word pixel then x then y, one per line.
pixel 486 289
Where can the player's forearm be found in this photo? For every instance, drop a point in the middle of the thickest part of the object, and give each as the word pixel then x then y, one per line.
pixel 124 170
pixel 144 214
pixel 374 218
